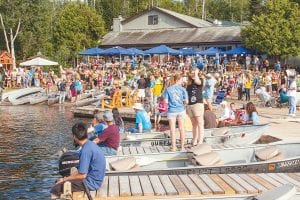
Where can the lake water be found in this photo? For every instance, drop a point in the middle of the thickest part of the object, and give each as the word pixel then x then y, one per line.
pixel 30 138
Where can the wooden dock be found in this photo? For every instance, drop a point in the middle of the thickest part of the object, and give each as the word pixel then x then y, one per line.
pixel 191 186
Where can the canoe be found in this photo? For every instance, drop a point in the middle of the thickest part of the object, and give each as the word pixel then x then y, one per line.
pixel 231 135
pixel 235 159
pixel 53 100
pixel 283 192
pixel 21 96
pixel 38 99
pixel 88 101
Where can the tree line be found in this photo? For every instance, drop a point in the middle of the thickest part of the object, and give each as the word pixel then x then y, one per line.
pixel 60 29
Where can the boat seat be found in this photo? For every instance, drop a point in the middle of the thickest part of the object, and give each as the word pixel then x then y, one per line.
pixel 207 159
pixel 279 156
pixel 201 149
pixel 123 164
pixel 267 153
pixel 220 131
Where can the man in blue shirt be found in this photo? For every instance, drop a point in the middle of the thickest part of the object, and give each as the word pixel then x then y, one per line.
pixel 91 168
pixel 142 120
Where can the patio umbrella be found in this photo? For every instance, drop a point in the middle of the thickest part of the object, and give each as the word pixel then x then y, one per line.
pixel 187 51
pixel 38 61
pixel 162 49
pixel 91 52
pixel 209 52
pixel 239 51
pixel 136 51
pixel 116 51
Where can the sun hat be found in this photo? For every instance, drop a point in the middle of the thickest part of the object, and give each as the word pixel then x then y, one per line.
pixel 108 116
pixel 138 106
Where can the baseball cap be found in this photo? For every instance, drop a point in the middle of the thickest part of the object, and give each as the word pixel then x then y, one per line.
pixel 108 116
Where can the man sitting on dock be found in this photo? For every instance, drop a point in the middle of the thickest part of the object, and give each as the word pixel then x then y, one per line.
pixel 109 140
pixel 91 168
pixel 142 120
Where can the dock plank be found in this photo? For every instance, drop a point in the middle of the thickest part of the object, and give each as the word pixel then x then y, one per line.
pixel 293 176
pixel 189 184
pixel 253 182
pixel 124 186
pixel 271 180
pixel 289 179
pixel 153 149
pixel 262 181
pixel 147 150
pixel 168 186
pixel 227 184
pixel 167 148
pixel 216 189
pixel 278 178
pixel 132 150
pixel 125 150
pixel 160 149
pixel 146 186
pixel 140 150
pixel 180 187
pixel 120 151
pixel 135 186
pixel 102 191
pixel 113 186
pixel 200 184
pixel 157 186
pixel 249 188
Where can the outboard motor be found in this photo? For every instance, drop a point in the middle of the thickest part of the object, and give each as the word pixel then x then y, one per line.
pixel 67 161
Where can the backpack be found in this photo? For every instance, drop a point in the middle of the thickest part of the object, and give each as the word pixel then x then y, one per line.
pixel 66 162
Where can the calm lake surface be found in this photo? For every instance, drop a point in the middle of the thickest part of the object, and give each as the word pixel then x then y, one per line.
pixel 30 139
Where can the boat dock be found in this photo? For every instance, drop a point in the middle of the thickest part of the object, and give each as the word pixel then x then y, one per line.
pixel 191 186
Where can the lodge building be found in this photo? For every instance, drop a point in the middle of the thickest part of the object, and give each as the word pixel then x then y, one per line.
pixel 161 26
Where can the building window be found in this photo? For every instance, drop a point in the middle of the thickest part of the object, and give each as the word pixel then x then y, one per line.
pixel 152 20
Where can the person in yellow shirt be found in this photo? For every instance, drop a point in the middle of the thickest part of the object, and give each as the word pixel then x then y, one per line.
pixel 157 89
pixel 248 84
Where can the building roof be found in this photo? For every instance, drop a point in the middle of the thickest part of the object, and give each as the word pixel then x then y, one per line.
pixel 207 35
pixel 193 21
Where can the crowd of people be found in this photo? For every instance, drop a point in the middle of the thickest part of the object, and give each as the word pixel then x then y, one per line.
pixel 166 90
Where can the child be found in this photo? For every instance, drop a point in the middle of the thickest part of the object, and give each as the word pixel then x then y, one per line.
pixel 162 110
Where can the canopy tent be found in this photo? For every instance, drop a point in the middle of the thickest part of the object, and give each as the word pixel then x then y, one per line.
pixel 91 52
pixel 162 49
pixel 187 51
pixel 136 51
pixel 116 51
pixel 239 51
pixel 38 61
pixel 210 52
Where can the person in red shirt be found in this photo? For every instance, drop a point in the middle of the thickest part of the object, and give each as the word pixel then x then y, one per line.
pixel 162 111
pixel 109 140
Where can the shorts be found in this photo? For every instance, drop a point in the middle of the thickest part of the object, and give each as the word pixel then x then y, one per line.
pixel 161 113
pixel 176 115
pixel 141 93
pixel 208 100
pixel 274 87
pixel 195 110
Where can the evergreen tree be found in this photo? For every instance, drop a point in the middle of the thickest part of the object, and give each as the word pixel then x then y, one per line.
pixel 255 7
pixel 276 31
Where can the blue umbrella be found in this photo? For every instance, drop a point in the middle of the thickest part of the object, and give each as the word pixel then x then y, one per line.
pixel 136 51
pixel 162 49
pixel 91 52
pixel 187 51
pixel 116 51
pixel 239 51
pixel 210 52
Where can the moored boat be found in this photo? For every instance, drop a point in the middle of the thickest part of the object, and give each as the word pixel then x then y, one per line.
pixel 277 158
pixel 88 101
pixel 53 100
pixel 38 99
pixel 227 135
pixel 23 96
